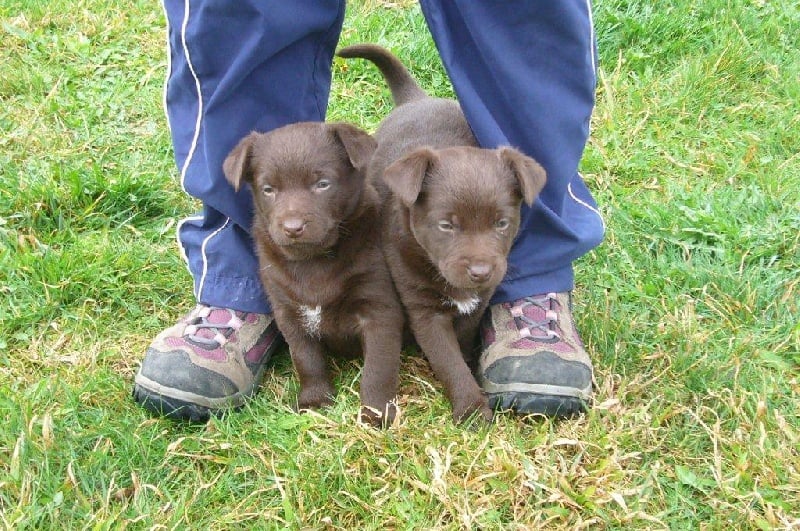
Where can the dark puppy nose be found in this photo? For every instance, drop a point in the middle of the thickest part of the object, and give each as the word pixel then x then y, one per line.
pixel 479 272
pixel 293 227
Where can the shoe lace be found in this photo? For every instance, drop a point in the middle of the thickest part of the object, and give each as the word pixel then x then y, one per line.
pixel 544 330
pixel 204 332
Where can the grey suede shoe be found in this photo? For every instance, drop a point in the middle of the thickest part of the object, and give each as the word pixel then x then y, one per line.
pixel 533 361
pixel 211 361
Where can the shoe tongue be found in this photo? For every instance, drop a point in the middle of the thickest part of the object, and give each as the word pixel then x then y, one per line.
pixel 540 322
pixel 219 316
pixel 219 319
pixel 536 312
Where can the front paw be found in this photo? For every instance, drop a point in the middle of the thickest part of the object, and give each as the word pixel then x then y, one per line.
pixel 378 418
pixel 315 397
pixel 472 411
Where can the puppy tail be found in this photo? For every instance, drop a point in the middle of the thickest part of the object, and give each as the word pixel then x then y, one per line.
pixel 404 88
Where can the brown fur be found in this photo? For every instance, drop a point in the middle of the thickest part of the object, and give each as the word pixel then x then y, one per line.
pixel 452 215
pixel 317 235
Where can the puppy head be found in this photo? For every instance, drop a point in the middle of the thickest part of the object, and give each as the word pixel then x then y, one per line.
pixel 464 207
pixel 306 179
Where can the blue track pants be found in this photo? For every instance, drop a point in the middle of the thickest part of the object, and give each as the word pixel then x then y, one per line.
pixel 524 72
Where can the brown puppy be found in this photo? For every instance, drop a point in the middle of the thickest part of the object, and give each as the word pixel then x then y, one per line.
pixel 453 214
pixel 317 234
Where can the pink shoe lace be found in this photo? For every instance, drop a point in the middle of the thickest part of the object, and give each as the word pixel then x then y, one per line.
pixel 535 317
pixel 212 326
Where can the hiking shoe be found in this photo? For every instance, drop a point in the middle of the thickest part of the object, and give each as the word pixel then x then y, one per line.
pixel 533 361
pixel 211 361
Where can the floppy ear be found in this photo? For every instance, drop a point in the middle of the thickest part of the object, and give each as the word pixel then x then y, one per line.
pixel 405 176
pixel 237 163
pixel 529 174
pixel 358 144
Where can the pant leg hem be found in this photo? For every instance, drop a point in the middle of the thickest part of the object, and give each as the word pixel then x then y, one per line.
pixel 551 282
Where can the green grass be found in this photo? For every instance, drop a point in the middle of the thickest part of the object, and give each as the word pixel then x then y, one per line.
pixel 689 308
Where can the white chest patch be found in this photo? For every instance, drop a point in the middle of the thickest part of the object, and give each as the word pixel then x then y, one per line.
pixel 465 307
pixel 312 318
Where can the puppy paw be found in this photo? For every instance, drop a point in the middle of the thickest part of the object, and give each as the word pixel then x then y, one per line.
pixel 315 397
pixel 379 418
pixel 474 412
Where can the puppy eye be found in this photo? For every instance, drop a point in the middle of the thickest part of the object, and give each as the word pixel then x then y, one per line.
pixel 445 226
pixel 267 189
pixel 323 184
pixel 502 224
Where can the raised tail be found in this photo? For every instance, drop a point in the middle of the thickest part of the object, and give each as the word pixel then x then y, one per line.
pixel 404 88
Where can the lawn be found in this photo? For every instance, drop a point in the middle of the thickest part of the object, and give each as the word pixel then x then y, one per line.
pixel 689 308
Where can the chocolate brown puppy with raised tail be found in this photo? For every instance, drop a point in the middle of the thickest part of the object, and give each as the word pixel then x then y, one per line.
pixel 317 235
pixel 453 213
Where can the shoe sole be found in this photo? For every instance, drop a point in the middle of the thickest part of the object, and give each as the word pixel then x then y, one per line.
pixel 170 407
pixel 180 405
pixel 553 406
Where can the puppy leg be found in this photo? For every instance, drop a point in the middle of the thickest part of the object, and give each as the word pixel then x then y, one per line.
pixel 310 363
pixel 316 388
pixel 382 343
pixel 467 329
pixel 437 338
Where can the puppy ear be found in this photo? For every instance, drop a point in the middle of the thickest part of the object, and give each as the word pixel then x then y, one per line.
pixel 237 164
pixel 405 176
pixel 529 174
pixel 358 144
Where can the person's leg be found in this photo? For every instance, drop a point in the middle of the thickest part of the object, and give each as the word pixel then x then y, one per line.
pixel 524 73
pixel 234 67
